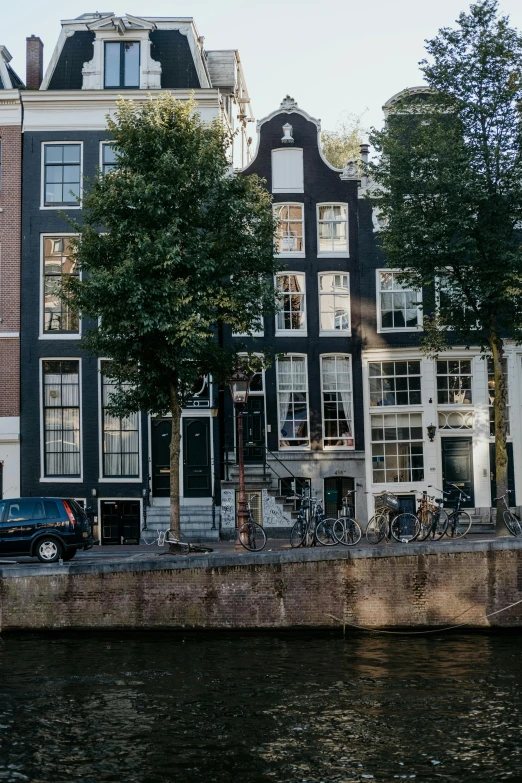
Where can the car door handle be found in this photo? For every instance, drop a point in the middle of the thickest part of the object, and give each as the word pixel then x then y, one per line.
pixel 40 524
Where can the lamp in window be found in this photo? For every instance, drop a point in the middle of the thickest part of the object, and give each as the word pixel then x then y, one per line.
pixel 287 131
pixel 239 383
pixel 431 429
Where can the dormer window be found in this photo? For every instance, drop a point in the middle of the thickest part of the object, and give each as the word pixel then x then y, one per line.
pixel 122 64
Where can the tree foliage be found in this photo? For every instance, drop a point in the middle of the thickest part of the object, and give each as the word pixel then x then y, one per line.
pixel 172 246
pixel 343 143
pixel 448 185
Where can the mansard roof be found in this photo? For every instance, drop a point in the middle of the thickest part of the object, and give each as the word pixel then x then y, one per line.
pixel 9 79
pixel 174 44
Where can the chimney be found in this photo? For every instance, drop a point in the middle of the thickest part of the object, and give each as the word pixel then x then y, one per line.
pixel 34 67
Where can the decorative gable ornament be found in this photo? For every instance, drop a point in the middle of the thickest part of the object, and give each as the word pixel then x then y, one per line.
pixel 288 103
pixel 287 134
pixel 350 170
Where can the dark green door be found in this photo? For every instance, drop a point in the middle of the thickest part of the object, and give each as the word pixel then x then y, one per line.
pixel 160 436
pixel 335 488
pixel 197 466
pixel 254 430
pixel 457 468
pixel 510 471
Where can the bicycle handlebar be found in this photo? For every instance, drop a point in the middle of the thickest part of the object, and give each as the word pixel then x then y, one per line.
pixel 501 497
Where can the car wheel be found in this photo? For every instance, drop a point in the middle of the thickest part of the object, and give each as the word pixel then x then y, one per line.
pixel 69 555
pixel 48 550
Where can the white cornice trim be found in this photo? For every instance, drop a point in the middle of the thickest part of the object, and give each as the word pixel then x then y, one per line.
pixel 406 93
pixel 10 107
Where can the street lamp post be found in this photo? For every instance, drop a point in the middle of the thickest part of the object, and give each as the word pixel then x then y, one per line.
pixel 239 384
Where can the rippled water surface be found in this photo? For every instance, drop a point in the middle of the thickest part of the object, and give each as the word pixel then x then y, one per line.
pixel 200 707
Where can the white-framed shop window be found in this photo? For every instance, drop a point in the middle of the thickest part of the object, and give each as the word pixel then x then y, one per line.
pixel 289 241
pixel 287 171
pixel 332 230
pixel 334 303
pixel 61 174
pixel 397 447
pixel 454 382
pixel 398 308
pixel 337 401
pixel 57 318
pixel 292 394
pixel 291 295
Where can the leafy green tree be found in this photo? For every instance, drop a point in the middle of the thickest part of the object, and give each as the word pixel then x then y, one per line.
pixel 343 143
pixel 172 247
pixel 448 185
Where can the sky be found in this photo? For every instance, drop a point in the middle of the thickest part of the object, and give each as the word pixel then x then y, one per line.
pixel 336 58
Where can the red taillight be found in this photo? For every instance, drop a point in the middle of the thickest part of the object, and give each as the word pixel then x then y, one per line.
pixel 69 513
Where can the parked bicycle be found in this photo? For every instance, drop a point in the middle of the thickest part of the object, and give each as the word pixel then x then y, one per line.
pixel 459 521
pixel 511 521
pixel 432 517
pixel 311 526
pixel 251 535
pixel 390 522
pixel 346 529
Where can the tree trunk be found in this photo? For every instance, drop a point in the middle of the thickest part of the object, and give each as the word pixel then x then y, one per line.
pixel 175 453
pixel 497 350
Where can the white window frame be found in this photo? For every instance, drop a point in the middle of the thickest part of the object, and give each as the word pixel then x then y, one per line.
pixel 291 253
pixel 333 253
pixel 396 329
pixel 286 149
pixel 114 479
pixel 292 332
pixel 60 479
pixel 396 407
pixel 457 405
pixel 103 144
pixel 42 335
pixel 42 175
pixel 321 295
pixel 279 436
pixel 323 392
pixel 395 412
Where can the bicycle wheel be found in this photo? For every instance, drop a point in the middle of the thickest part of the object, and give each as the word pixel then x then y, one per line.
pixel 405 528
pixel 252 536
pixel 440 524
pixel 512 523
pixel 324 531
pixel 298 533
pixel 376 529
pixel 459 524
pixel 347 531
pixel 426 524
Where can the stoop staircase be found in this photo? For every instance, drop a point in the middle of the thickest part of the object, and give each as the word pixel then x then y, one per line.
pixel 259 476
pixel 196 522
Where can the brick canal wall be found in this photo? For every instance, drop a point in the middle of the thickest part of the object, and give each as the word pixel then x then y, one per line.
pixel 409 586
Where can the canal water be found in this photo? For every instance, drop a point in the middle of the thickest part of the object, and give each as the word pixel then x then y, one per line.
pixel 156 708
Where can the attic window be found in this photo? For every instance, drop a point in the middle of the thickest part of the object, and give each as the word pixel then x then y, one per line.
pixel 122 64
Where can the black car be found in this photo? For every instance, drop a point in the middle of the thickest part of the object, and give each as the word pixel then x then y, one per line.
pixel 46 528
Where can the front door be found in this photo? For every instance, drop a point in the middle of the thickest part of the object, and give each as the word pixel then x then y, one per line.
pixel 510 472
pixel 335 488
pixel 197 465
pixel 457 468
pixel 120 521
pixel 161 434
pixel 254 430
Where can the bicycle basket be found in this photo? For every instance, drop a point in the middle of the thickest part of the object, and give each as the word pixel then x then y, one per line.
pixel 387 500
pixel 305 503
